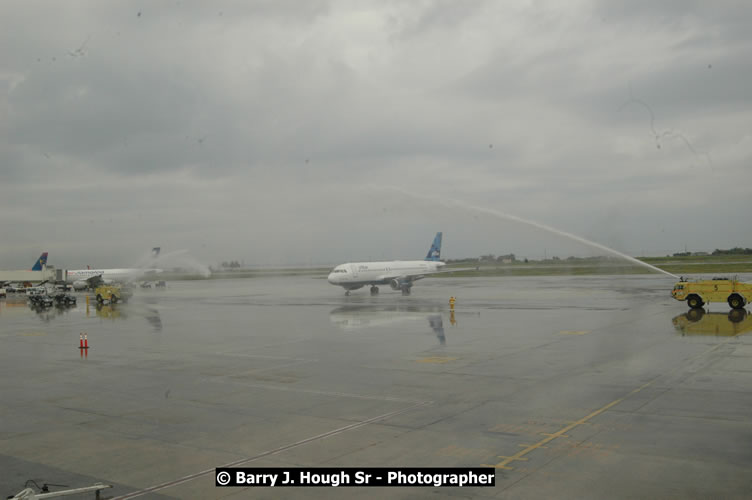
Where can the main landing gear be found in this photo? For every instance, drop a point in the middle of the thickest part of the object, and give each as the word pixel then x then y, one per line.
pixel 375 290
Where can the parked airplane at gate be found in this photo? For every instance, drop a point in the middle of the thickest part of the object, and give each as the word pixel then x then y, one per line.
pixel 82 279
pixel 398 274
pixel 18 286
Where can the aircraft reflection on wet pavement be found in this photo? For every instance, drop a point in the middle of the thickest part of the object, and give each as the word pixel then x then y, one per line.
pixel 698 322
pixel 356 317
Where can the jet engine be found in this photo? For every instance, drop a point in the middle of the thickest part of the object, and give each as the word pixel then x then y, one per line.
pixel 80 285
pixel 397 284
pixel 92 283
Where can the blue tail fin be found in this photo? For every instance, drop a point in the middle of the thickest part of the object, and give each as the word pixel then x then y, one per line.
pixel 41 261
pixel 435 252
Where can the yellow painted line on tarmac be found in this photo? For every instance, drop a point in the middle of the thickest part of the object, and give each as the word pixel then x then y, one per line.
pixel 436 359
pixel 575 332
pixel 497 466
pixel 550 437
pixel 519 456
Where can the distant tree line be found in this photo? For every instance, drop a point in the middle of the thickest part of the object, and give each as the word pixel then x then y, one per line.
pixel 512 258
pixel 733 251
pixel 717 251
pixel 493 258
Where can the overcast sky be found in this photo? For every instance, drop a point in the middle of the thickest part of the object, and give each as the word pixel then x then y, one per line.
pixel 314 132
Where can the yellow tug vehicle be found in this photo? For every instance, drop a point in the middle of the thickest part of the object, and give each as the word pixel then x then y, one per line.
pixel 112 294
pixel 699 293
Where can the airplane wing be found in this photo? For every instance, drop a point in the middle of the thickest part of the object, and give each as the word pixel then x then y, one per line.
pixel 420 276
pixel 94 281
pixel 415 277
pixel 402 278
pixel 458 270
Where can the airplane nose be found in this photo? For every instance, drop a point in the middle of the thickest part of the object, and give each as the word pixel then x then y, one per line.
pixel 331 278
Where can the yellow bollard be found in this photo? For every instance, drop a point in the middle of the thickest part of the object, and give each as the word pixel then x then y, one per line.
pixel 452 300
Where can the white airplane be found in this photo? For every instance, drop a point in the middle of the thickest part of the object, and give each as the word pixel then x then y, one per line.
pixel 85 278
pixel 81 279
pixel 398 274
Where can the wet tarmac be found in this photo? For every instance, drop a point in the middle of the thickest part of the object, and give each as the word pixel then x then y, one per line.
pixel 572 387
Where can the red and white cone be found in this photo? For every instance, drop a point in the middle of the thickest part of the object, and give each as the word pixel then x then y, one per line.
pixel 86 341
pixel 80 340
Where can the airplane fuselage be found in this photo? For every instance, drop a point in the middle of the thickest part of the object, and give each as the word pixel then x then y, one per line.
pixel 354 275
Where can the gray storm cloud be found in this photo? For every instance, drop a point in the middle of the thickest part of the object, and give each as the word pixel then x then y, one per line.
pixel 258 130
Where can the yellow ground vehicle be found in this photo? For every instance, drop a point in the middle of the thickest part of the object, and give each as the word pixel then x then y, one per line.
pixel 112 294
pixel 698 293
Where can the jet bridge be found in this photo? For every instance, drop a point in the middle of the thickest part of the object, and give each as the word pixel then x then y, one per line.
pixel 48 273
